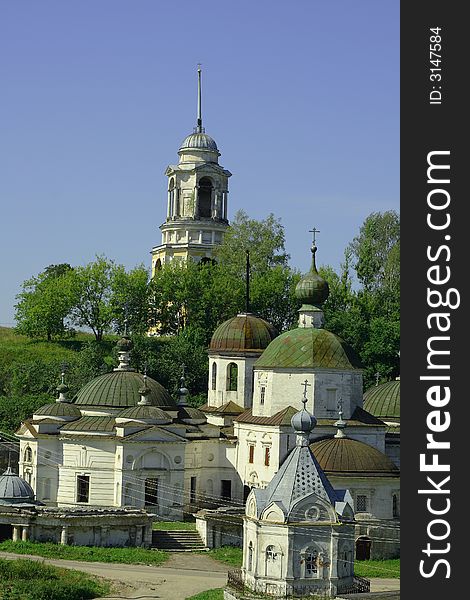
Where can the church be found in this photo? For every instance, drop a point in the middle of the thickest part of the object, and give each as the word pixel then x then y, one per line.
pixel 124 441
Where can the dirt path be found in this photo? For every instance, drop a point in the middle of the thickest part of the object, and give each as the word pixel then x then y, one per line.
pixel 183 575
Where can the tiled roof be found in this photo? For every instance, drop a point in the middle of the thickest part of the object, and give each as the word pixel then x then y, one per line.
pixel 59 409
pixel 229 408
pixel 91 424
pixel 308 347
pixel 283 417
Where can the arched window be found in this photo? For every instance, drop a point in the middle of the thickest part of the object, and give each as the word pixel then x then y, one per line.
pixel 158 265
pixel 232 377
pixel 214 376
pixel 28 454
pixel 395 506
pixel 250 556
pixel 311 563
pixel 271 553
pixel 205 197
pixel 171 198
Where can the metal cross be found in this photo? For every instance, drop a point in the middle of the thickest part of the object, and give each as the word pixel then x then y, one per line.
pixel 340 407
pixel 314 231
pixel 305 384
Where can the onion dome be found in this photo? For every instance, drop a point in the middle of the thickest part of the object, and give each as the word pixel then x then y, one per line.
pixel 312 289
pixel 191 416
pixel 199 141
pixel 352 458
pixel 383 401
pixel 143 413
pixel 14 489
pixel 303 422
pixel 243 333
pixel 121 389
pixel 309 348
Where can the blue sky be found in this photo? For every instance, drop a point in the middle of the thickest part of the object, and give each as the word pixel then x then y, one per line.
pixel 97 95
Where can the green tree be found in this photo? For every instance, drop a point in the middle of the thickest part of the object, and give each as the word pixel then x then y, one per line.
pixel 45 303
pixel 130 299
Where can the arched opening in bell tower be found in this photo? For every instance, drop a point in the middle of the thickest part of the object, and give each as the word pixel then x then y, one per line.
pixel 205 197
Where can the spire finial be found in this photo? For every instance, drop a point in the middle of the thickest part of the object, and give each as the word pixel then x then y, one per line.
pixel 377 378
pixel 340 423
pixel 199 128
pixel 247 296
pixel 183 390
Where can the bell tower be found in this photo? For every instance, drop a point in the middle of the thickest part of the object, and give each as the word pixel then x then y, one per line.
pixel 196 217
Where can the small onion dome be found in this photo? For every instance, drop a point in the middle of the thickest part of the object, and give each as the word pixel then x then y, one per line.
pixel 312 290
pixel 383 401
pixel 14 489
pixel 62 411
pixel 120 389
pixel 199 141
pixel 243 333
pixel 191 415
pixel 149 415
pixel 303 422
pixel 124 344
pixel 347 457
pixel 309 348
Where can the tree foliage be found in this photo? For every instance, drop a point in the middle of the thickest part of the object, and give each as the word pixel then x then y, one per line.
pixel 44 304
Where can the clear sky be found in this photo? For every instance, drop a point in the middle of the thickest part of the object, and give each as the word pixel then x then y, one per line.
pixel 302 98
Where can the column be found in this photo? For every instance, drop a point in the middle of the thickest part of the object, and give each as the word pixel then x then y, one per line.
pixel 138 535
pixel 168 212
pixel 64 535
pixel 196 202
pixel 16 533
pixel 25 533
pixel 104 535
pixel 225 204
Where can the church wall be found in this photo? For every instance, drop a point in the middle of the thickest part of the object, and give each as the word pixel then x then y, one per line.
pixel 243 395
pixel 95 458
pixel 283 388
pixel 378 491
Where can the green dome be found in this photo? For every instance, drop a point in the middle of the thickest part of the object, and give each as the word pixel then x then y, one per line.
pixel 308 347
pixel 120 389
pixel 59 409
pixel 312 289
pixel 243 333
pixel 191 415
pixel 144 412
pixel 383 400
pixel 348 457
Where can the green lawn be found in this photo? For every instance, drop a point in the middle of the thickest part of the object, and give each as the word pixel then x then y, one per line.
pixel 130 556
pixel 217 594
pixel 173 526
pixel 30 580
pixel 388 569
pixel 364 568
pixel 229 555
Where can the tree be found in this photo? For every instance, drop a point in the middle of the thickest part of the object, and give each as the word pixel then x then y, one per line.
pixel 45 303
pixel 93 291
pixel 264 239
pixel 130 299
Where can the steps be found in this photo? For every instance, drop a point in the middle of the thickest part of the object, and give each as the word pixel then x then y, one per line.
pixel 177 541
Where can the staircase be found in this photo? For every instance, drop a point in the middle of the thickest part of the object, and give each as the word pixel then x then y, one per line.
pixel 177 541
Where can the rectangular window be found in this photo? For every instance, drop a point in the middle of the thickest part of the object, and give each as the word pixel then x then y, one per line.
pixel 151 491
pixel 192 494
pixel 226 489
pixel 262 394
pixel 361 503
pixel 251 454
pixel 83 488
pixel 267 456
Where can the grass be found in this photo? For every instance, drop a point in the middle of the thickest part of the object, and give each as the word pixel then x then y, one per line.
pixel 130 556
pixel 173 526
pixel 217 594
pixel 229 555
pixel 30 580
pixel 387 569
